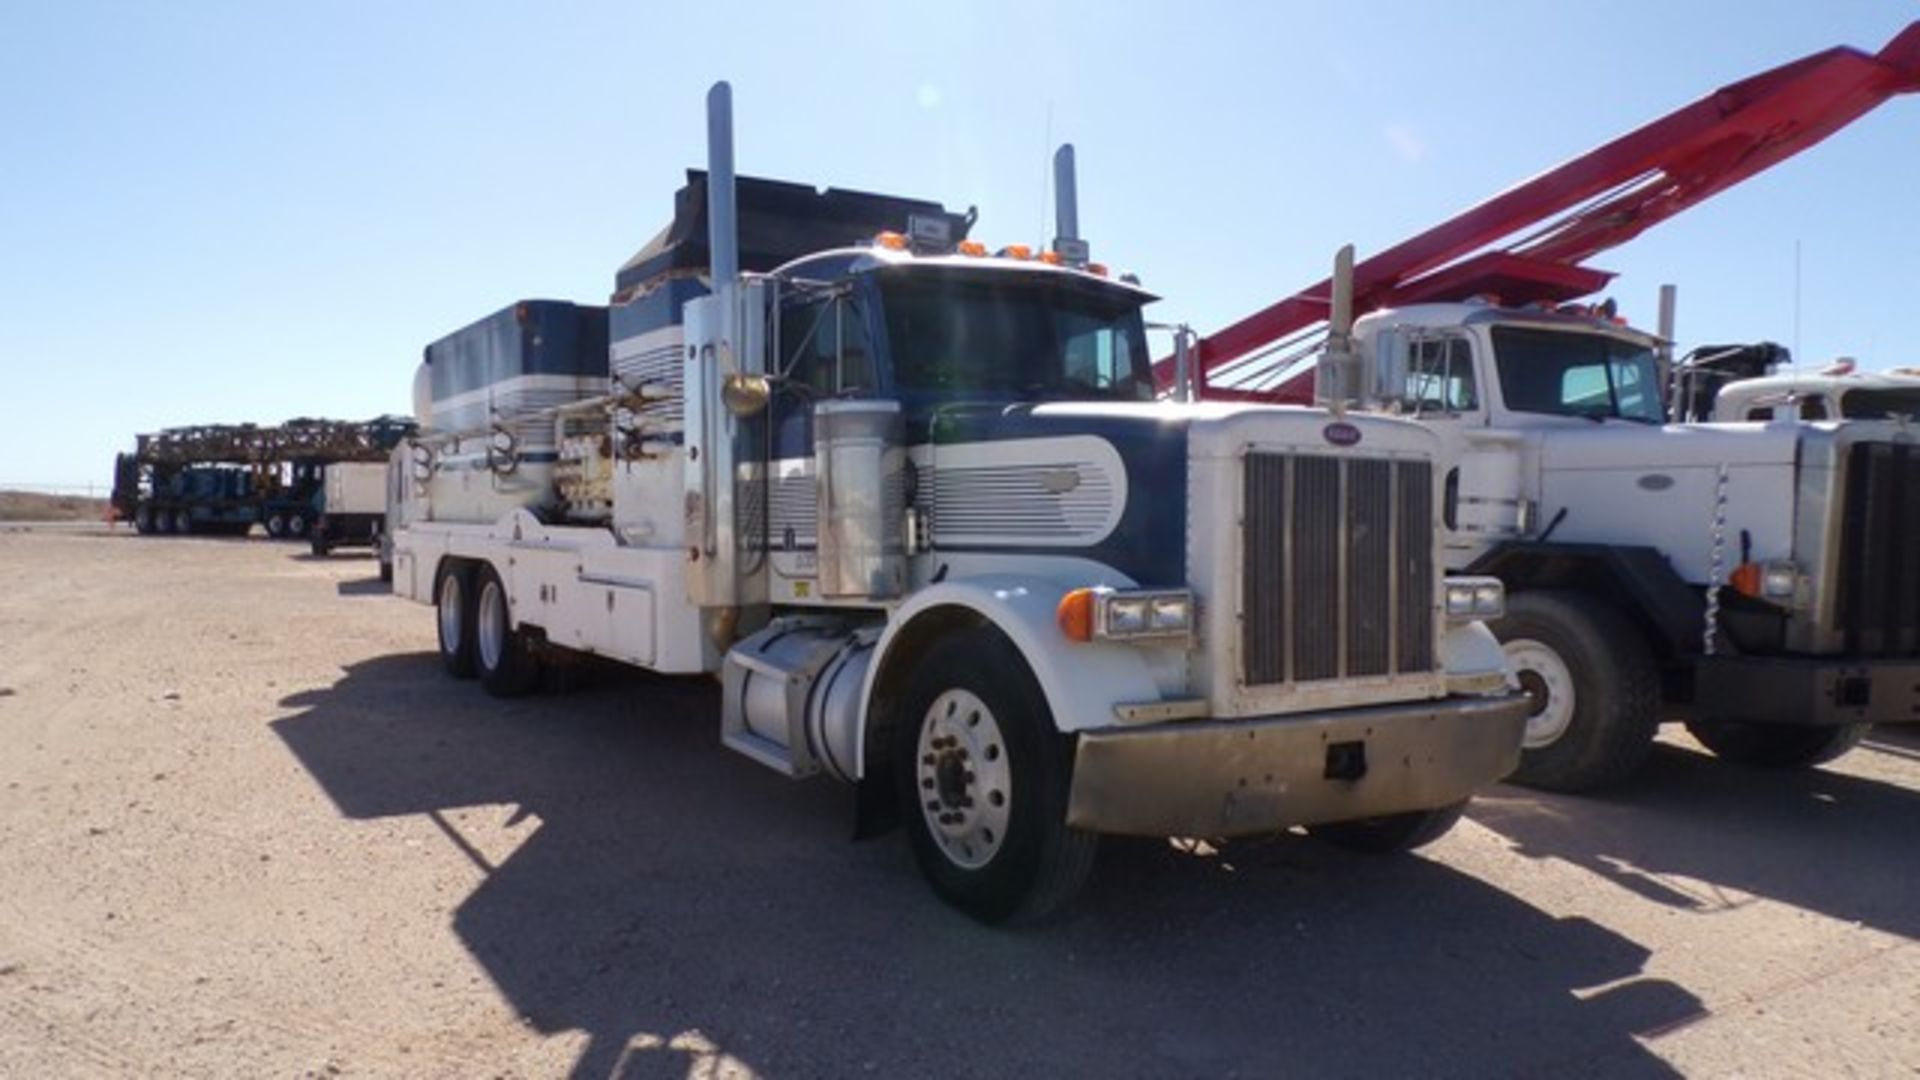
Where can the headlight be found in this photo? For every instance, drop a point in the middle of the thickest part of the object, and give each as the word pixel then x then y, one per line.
pixel 1475 598
pixel 1126 616
pixel 1100 612
pixel 1170 614
pixel 1778 580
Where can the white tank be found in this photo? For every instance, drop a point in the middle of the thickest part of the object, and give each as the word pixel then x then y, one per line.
pixel 423 396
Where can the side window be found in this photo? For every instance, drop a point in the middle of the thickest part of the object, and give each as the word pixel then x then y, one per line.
pixel 1096 355
pixel 1440 376
pixel 1584 389
pixel 855 370
pixel 1760 414
pixel 824 344
pixel 1630 393
pixel 1813 408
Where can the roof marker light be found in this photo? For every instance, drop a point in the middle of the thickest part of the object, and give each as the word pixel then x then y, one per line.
pixel 971 247
pixel 1015 251
pixel 892 241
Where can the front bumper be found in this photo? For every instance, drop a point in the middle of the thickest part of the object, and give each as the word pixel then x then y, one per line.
pixel 1234 777
pixel 1812 691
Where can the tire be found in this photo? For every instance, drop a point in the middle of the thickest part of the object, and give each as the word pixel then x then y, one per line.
pixel 143 519
pixel 183 522
pixel 502 653
pixel 386 572
pixel 1595 687
pixel 276 525
pixel 297 525
pixel 163 522
pixel 982 777
pixel 1392 833
pixel 1776 746
pixel 453 615
pixel 320 546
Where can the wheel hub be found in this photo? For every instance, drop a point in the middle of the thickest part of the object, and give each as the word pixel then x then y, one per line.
pixel 965 781
pixel 1540 673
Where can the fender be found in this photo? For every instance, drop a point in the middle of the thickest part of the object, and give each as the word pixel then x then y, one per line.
pixel 1082 681
pixel 1639 579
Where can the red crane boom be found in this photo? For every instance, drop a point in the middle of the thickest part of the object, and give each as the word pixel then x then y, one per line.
pixel 1601 199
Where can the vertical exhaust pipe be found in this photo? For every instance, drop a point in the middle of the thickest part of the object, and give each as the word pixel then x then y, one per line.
pixel 1337 380
pixel 1668 296
pixel 1066 196
pixel 723 237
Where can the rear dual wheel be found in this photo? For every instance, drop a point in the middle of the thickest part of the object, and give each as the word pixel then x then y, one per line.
pixel 503 653
pixel 477 634
pixel 453 616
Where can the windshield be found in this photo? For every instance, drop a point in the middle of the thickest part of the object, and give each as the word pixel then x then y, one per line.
pixel 1569 373
pixel 1024 335
pixel 1880 404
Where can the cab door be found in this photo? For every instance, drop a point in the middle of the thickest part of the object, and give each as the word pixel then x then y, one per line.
pixel 1482 498
pixel 824 352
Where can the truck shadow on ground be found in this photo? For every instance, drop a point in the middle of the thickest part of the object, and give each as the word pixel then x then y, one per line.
pixel 1705 835
pixel 681 905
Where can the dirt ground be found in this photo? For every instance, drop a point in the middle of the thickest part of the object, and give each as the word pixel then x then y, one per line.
pixel 247 828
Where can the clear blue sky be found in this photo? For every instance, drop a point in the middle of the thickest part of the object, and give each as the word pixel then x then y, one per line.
pixel 251 211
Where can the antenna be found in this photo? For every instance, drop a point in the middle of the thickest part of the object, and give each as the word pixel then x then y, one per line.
pixel 1796 296
pixel 1046 183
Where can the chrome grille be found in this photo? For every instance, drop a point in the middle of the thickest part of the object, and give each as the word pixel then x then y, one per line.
pixel 1338 579
pixel 1879 601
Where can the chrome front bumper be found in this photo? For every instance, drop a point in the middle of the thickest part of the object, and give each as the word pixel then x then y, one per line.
pixel 1234 777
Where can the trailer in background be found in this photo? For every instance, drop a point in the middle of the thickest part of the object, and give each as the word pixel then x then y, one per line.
pixel 223 479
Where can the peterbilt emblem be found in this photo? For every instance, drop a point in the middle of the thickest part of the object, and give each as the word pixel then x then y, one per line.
pixel 1341 433
pixel 1655 482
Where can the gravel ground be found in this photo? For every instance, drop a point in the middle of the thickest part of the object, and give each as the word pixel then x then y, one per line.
pixel 247 828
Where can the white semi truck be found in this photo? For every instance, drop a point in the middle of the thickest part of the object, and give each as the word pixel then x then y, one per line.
pixel 916 506
pixel 1758 580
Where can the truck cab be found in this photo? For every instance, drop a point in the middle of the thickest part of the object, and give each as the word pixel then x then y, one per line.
pixel 1750 578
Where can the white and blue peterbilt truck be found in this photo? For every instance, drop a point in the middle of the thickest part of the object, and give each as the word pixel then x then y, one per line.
pixel 917 507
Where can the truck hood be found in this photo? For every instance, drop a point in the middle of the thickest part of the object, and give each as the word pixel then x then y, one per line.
pixel 1608 446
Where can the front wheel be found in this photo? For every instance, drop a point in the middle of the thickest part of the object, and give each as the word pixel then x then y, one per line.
pixel 504 654
pixel 1593 685
pixel 1391 833
pixel 975 751
pixel 1776 746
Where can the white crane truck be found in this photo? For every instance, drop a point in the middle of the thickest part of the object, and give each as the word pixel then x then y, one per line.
pixel 1759 580
pixel 918 509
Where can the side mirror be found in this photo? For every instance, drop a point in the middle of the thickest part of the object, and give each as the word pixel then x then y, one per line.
pixel 1389 382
